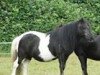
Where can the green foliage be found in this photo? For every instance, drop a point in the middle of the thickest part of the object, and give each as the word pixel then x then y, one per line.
pixel 5 48
pixel 18 16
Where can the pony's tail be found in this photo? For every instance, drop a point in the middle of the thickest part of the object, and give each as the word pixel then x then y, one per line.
pixel 14 54
pixel 14 49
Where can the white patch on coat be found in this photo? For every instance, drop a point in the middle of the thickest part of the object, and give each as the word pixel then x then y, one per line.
pixel 45 53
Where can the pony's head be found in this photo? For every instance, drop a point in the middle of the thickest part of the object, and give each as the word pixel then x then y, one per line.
pixel 84 31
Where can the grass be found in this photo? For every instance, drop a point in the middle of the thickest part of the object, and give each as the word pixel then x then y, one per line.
pixel 51 68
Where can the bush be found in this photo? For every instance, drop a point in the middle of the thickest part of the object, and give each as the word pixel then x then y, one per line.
pixel 18 16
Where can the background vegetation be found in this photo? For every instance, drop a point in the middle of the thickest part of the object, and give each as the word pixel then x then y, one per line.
pixel 18 16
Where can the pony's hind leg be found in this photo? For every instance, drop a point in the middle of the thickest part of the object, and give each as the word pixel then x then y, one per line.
pixel 25 63
pixel 15 66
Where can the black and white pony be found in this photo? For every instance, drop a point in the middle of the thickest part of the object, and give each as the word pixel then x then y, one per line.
pixel 91 51
pixel 56 44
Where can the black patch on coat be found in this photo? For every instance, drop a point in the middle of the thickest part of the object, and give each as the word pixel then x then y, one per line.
pixel 28 47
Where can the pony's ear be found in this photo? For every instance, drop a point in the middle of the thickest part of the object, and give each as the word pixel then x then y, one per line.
pixel 81 20
pixel 60 25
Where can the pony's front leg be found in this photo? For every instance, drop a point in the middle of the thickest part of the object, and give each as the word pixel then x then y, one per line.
pixel 62 63
pixel 83 61
pixel 25 63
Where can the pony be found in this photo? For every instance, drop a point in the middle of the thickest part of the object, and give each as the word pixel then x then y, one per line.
pixel 56 44
pixel 91 51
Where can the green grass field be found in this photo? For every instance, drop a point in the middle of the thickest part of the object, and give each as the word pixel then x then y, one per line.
pixel 51 68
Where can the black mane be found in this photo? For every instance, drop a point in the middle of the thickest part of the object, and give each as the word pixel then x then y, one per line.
pixel 66 35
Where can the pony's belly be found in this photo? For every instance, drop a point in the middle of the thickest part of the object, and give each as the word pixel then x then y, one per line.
pixel 94 57
pixel 45 53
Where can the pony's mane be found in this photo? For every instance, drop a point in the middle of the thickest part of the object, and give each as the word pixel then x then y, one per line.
pixel 69 33
pixel 66 34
